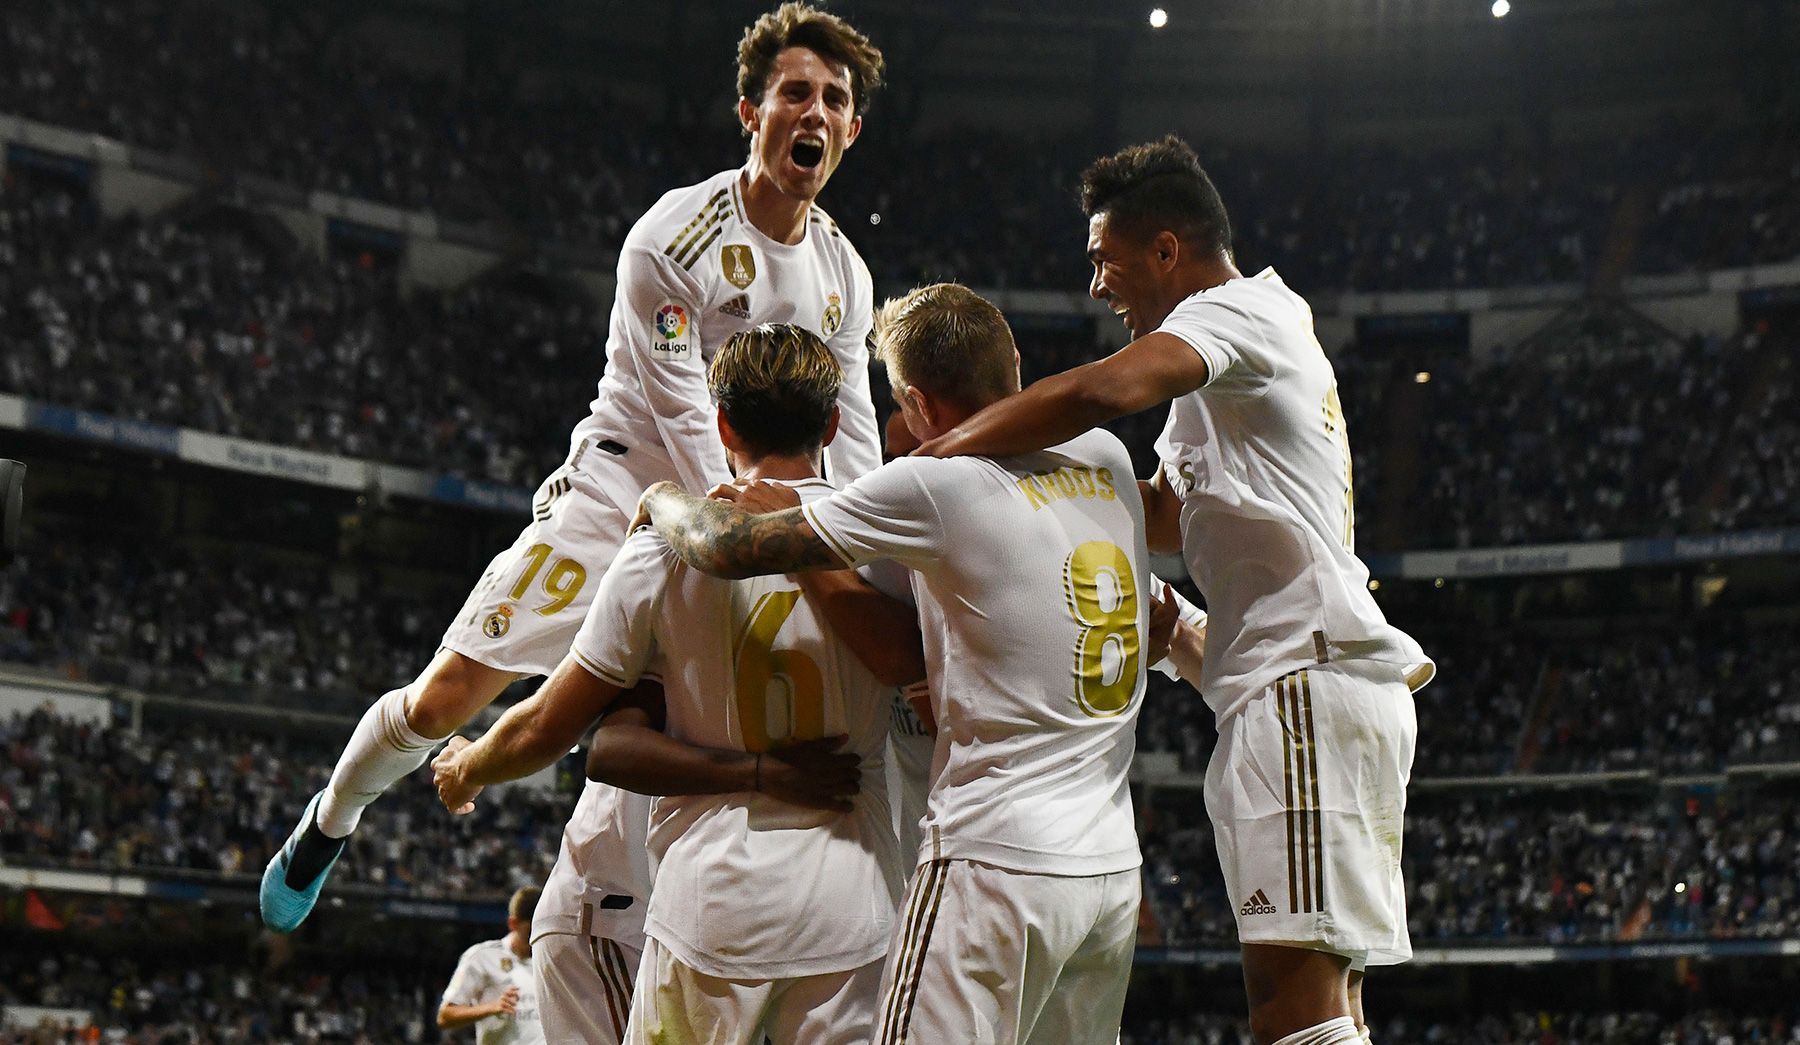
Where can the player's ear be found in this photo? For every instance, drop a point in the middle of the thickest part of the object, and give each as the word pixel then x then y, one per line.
pixel 855 129
pixel 831 428
pixel 749 116
pixel 1166 248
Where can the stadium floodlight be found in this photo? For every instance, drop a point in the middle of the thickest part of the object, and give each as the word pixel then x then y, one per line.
pixel 1160 17
pixel 1422 377
pixel 1501 7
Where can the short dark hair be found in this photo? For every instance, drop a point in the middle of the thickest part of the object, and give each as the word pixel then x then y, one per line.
pixel 1157 186
pixel 524 903
pixel 797 24
pixel 777 384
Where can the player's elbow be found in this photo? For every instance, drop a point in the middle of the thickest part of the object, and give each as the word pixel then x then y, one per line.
pixel 445 1020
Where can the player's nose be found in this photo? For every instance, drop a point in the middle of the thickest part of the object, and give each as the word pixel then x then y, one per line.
pixel 1097 288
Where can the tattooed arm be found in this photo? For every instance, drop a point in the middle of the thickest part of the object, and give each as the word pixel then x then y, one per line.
pixel 723 540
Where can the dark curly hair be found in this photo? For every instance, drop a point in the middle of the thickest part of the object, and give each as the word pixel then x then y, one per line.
pixel 1154 187
pixel 796 24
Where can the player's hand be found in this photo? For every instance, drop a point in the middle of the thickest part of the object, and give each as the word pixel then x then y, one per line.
pixel 508 1003
pixel 1165 613
pixel 446 772
pixel 641 518
pixel 758 498
pixel 813 774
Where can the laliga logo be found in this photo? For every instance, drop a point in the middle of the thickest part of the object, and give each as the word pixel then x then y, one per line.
pixel 671 321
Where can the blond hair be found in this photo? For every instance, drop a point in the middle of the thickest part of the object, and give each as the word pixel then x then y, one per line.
pixel 524 903
pixel 797 24
pixel 777 384
pixel 949 341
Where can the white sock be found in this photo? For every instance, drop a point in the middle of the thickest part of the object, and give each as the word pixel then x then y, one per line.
pixel 1341 1031
pixel 1366 1037
pixel 381 751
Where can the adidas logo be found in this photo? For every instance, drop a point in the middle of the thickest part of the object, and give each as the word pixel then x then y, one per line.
pixel 738 306
pixel 1257 904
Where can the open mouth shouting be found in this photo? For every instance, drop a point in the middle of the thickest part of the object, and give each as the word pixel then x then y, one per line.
pixel 808 151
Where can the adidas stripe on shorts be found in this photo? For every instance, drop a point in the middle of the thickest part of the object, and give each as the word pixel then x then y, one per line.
pixel 984 954
pixel 584 987
pixel 1307 794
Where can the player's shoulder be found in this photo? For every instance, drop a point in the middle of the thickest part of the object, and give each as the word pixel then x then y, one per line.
pixel 1263 296
pixel 834 243
pixel 683 219
pixel 481 953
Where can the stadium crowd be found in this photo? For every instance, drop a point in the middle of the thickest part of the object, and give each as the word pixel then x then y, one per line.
pixel 178 620
pixel 200 798
pixel 1519 1027
pixel 217 1002
pixel 313 109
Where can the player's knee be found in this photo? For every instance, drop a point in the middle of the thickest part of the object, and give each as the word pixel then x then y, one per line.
pixel 449 693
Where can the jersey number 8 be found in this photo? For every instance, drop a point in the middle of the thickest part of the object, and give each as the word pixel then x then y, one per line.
pixel 1101 590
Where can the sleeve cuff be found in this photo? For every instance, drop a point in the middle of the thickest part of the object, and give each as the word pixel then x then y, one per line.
pixel 831 540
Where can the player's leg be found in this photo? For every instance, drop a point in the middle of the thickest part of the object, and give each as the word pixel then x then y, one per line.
pixel 519 620
pixel 676 1003
pixel 979 946
pixel 1088 1001
pixel 830 1009
pixel 584 987
pixel 1306 791
pixel 1356 1003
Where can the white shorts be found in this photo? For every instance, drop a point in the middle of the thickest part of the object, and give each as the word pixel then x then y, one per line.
pixel 523 614
pixel 983 954
pixel 583 987
pixel 676 1003
pixel 1307 794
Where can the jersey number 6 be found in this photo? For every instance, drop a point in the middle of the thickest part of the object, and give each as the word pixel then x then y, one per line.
pixel 760 665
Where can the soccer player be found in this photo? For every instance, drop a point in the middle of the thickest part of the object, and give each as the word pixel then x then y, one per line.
pixel 1032 576
pixel 1310 684
pixel 493 987
pixel 765 918
pixel 741 248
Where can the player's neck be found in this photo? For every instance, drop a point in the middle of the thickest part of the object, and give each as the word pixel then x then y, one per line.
pixel 779 466
pixel 775 214
pixel 518 943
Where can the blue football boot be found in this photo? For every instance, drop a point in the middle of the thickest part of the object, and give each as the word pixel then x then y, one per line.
pixel 284 905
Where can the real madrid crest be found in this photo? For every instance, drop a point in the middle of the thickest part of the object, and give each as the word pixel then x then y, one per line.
pixel 506 964
pixel 834 315
pixel 738 264
pixel 497 622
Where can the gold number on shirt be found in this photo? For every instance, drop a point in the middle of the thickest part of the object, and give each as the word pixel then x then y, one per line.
pixel 759 666
pixel 1334 424
pixel 562 583
pixel 1102 593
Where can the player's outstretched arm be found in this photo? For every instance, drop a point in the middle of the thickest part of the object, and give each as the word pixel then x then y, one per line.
pixel 629 753
pixel 533 733
pixel 723 540
pixel 1151 370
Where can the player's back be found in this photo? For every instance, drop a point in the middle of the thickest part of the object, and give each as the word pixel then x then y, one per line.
pixel 1033 602
pixel 748 885
pixel 1261 459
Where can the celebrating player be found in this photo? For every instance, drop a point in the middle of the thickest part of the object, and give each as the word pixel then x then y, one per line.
pixel 493 986
pixel 742 248
pixel 1021 918
pixel 1310 684
pixel 766 918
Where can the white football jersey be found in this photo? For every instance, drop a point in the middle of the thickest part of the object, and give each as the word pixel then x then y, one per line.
pixel 483 974
pixel 1260 457
pixel 746 886
pixel 600 885
pixel 693 271
pixel 1032 589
